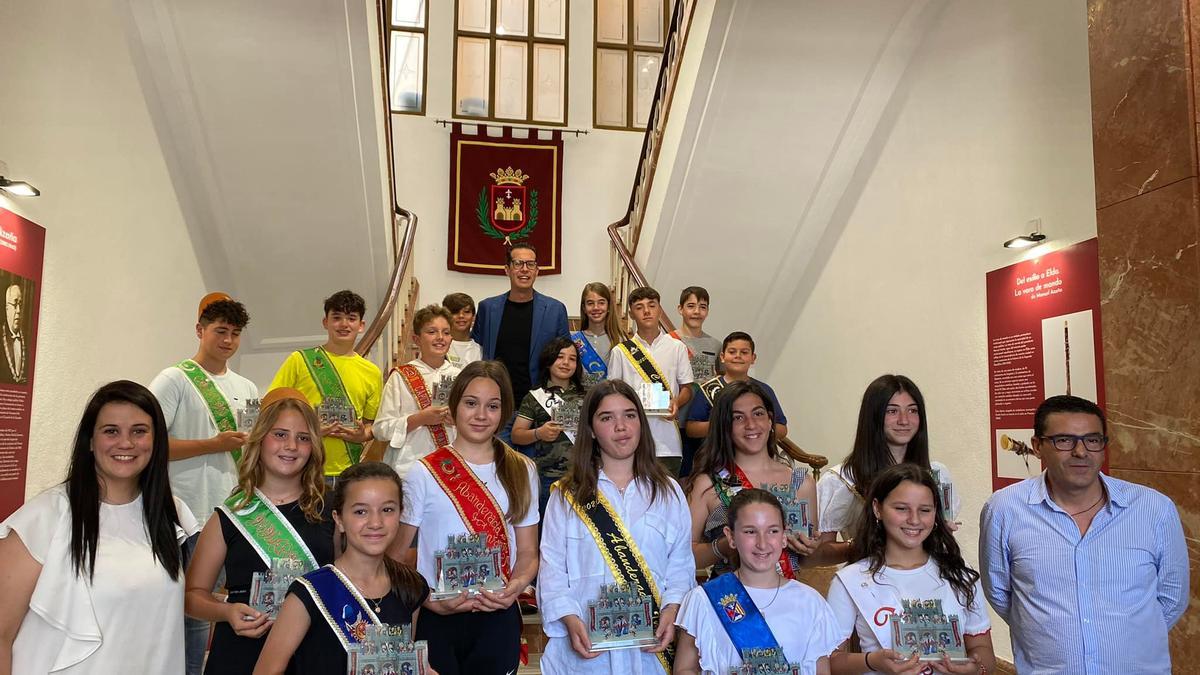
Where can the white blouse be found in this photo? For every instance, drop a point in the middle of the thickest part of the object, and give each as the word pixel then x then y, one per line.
pixel 572 569
pixel 127 619
pixel 798 617
pixel 391 422
pixel 839 508
pixel 427 508
pixel 885 590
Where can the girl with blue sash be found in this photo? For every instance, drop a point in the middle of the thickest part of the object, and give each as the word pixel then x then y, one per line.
pixel 754 611
pixel 328 610
pixel 277 511
pixel 601 332
pixel 615 517
pixel 906 551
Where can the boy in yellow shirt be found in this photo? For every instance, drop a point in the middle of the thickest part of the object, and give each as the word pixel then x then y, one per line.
pixel 335 370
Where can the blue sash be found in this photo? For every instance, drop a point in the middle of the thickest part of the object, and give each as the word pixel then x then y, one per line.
pixel 588 358
pixel 344 608
pixel 739 616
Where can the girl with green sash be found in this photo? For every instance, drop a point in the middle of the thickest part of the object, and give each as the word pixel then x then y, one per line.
pixel 328 610
pixel 276 512
pixel 754 612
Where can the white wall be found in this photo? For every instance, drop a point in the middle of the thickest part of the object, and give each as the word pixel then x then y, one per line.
pixel 994 128
pixel 121 278
pixel 598 172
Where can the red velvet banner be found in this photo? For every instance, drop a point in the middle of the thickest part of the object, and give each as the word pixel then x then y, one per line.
pixel 1043 326
pixel 22 244
pixel 504 190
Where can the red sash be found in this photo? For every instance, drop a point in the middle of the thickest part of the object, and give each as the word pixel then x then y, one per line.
pixel 416 386
pixel 785 561
pixel 475 503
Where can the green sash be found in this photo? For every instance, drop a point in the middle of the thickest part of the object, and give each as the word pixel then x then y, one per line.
pixel 214 400
pixel 268 531
pixel 329 385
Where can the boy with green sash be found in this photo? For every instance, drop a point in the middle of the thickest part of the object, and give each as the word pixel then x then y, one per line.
pixel 335 371
pixel 200 398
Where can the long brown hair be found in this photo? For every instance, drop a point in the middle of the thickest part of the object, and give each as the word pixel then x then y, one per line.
pixel 583 470
pixel 312 478
pixel 512 468
pixel 717 451
pixel 407 583
pixel 870 541
pixel 612 322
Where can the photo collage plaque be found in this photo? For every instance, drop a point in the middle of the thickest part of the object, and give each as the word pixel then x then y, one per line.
pixel 923 628
pixel 620 618
pixel 467 564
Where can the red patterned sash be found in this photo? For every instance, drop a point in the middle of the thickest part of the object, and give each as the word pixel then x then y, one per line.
pixel 475 503
pixel 416 387
pixel 785 561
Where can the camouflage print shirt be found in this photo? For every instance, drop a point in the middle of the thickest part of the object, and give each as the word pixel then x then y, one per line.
pixel 551 458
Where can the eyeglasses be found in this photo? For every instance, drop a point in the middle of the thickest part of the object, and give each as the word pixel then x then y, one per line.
pixel 523 264
pixel 1067 442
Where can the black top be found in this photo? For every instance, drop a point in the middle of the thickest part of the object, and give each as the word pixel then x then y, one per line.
pixel 230 653
pixel 321 652
pixel 512 344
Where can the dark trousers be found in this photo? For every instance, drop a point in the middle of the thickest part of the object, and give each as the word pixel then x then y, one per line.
pixel 473 643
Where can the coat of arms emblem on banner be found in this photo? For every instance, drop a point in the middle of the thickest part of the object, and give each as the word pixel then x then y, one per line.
pixel 504 189
pixel 506 210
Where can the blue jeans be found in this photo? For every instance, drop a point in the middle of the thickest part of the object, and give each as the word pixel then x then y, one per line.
pixel 195 631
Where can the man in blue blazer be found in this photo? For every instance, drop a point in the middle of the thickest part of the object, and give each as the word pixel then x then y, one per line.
pixel 513 327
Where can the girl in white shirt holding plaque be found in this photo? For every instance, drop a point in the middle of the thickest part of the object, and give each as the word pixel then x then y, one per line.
pixel 892 429
pixel 481 486
pixel 905 552
pixel 755 611
pixel 615 517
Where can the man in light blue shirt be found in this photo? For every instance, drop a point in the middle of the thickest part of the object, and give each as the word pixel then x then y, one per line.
pixel 1089 571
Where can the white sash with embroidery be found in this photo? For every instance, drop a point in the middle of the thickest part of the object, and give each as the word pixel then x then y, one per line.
pixel 549 402
pixel 861 587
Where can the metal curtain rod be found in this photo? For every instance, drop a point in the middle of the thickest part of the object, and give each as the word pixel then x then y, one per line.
pixel 493 123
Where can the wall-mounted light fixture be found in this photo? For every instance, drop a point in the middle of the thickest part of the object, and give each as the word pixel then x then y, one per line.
pixel 1026 240
pixel 18 188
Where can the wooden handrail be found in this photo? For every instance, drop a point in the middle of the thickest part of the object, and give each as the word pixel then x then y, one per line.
pixel 403 255
pixel 402 245
pixel 634 271
pixel 817 462
pixel 625 268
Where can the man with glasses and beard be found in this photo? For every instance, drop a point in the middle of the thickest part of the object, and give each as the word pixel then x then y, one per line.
pixel 1089 571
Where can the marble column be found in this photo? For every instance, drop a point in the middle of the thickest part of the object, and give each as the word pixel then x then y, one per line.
pixel 1144 56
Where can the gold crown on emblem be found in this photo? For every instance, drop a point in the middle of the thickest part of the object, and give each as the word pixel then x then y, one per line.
pixel 729 599
pixel 509 176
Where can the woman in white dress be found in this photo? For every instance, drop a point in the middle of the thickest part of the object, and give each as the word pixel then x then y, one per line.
pixel 615 495
pixel 892 429
pixel 93 564
pixel 905 553
pixel 754 607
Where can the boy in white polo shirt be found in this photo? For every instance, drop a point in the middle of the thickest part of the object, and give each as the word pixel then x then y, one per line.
pixel 653 356
pixel 200 399
pixel 410 420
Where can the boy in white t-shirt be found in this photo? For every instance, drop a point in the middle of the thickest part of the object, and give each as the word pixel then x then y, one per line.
pixel 463 349
pixel 652 355
pixel 410 419
pixel 200 399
